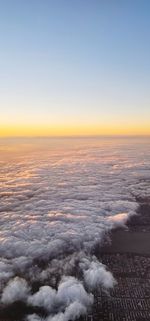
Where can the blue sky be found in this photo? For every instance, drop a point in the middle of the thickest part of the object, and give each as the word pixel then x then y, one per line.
pixel 75 62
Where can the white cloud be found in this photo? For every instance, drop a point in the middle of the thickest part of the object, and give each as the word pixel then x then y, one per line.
pixel 97 276
pixel 45 297
pixel 56 205
pixel 17 289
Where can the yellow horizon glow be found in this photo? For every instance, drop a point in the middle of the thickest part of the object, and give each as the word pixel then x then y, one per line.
pixel 73 130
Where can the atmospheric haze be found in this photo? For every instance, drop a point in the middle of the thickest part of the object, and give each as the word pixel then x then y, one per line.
pixel 60 198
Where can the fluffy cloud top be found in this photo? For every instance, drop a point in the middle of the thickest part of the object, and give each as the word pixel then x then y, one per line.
pixel 16 290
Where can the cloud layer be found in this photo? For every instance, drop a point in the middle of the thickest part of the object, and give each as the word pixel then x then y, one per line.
pixel 59 198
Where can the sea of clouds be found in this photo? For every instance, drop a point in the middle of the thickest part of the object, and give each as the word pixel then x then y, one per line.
pixel 59 199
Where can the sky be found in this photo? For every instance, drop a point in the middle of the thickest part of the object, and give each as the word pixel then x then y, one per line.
pixel 72 67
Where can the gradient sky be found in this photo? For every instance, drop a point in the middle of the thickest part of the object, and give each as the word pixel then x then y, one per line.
pixel 74 67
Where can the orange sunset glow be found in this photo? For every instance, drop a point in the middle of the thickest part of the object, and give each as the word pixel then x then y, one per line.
pixel 75 129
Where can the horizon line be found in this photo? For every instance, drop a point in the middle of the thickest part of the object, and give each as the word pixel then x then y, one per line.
pixel 76 136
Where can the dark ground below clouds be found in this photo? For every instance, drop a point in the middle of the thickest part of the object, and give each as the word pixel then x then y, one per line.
pixel 128 257
pixel 18 310
pixel 136 238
